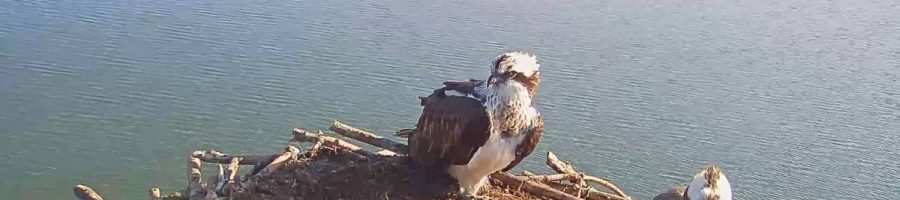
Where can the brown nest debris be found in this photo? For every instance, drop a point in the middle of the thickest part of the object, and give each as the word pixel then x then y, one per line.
pixel 333 168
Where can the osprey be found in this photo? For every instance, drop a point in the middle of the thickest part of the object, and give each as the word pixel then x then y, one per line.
pixel 491 127
pixel 709 184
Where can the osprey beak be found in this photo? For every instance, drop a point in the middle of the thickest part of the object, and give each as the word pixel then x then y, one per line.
pixel 496 78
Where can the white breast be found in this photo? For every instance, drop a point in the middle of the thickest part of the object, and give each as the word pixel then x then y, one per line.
pixel 496 154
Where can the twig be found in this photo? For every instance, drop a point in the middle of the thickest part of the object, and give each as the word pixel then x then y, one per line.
pixel 385 152
pixel 231 181
pixel 546 178
pixel 352 150
pixel 575 177
pixel 213 156
pixel 313 151
pixel 532 187
pixel 586 193
pixel 195 187
pixel 368 138
pixel 86 193
pixel 558 165
pixel 290 153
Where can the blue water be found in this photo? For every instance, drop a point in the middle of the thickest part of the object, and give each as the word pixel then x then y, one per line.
pixel 795 100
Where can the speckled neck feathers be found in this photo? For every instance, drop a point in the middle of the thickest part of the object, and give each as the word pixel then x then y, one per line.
pixel 510 107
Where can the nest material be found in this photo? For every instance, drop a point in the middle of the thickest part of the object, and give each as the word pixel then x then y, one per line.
pixel 332 168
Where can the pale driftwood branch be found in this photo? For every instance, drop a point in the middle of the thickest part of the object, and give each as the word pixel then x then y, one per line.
pixel 586 193
pixel 531 186
pixel 386 153
pixel 558 165
pixel 213 156
pixel 368 138
pixel 155 194
pixel 231 181
pixel 606 184
pixel 546 178
pixel 341 145
pixel 195 186
pixel 290 153
pixel 313 151
pixel 86 193
pixel 566 169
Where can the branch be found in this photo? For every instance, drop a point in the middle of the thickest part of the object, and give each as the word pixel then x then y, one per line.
pixel 586 193
pixel 232 183
pixel 213 156
pixel 368 138
pixel 531 186
pixel 575 177
pixel 558 165
pixel 353 150
pixel 86 193
pixel 606 184
pixel 290 153
pixel 195 187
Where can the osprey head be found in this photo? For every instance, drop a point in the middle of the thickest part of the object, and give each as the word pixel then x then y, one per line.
pixel 516 68
pixel 709 184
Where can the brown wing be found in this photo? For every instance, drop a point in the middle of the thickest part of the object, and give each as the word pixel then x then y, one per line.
pixel 532 138
pixel 449 131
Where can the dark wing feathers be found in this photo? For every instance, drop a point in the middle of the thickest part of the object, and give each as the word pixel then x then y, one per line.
pixel 532 138
pixel 450 130
pixel 465 87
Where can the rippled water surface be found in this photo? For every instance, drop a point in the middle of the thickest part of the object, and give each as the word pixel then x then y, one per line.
pixel 794 99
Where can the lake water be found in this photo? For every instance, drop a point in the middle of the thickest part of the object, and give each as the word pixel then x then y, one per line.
pixel 794 99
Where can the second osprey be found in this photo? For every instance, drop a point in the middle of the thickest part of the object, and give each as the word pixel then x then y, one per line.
pixel 491 127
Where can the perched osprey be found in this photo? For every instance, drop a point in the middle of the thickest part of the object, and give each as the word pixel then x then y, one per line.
pixel 709 184
pixel 491 127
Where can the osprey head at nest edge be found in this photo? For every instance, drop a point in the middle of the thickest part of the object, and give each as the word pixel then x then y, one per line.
pixel 490 127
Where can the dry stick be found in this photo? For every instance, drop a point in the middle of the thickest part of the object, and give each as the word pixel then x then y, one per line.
pixel 86 193
pixel 213 156
pixel 313 151
pixel 505 178
pixel 195 188
pixel 231 184
pixel 533 187
pixel 384 152
pixel 589 194
pixel 558 165
pixel 368 138
pixel 290 153
pixel 341 145
pixel 566 168
pixel 548 178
